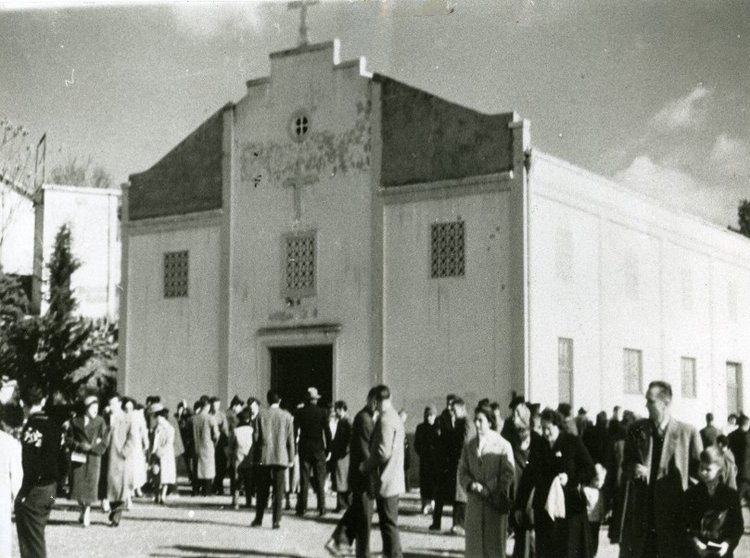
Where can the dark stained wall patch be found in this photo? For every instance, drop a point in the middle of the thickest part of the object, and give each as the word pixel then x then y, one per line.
pixel 185 180
pixel 426 138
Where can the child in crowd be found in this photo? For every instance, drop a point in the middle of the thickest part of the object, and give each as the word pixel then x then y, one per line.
pixel 713 517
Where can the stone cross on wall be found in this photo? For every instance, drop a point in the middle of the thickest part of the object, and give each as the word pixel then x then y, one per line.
pixel 297 183
pixel 302 5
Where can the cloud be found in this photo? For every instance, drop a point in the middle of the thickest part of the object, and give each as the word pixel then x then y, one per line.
pixel 680 190
pixel 208 19
pixel 686 112
pixel 731 157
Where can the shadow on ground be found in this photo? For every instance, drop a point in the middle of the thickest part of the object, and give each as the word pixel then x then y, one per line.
pixel 209 552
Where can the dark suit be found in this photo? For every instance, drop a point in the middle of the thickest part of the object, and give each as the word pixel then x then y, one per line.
pixel 311 422
pixel 339 463
pixel 650 524
pixel 357 520
pixel 567 455
pixel 274 448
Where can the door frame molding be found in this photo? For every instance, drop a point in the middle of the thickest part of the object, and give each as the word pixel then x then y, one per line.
pixel 297 336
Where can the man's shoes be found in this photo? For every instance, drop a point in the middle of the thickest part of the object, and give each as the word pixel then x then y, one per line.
pixel 299 513
pixel 256 523
pixel 434 527
pixel 322 513
pixel 276 525
pixel 458 530
pixel 333 548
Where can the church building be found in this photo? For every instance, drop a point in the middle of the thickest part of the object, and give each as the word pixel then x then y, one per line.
pixel 338 229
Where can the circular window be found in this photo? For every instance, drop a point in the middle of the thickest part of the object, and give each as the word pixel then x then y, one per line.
pixel 299 125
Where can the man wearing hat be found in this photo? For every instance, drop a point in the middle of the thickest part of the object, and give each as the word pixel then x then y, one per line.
pixel 314 441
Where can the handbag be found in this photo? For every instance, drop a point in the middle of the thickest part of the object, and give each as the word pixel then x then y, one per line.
pixel 78 457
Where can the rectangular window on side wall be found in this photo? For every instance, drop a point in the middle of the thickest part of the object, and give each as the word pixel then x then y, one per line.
pixel 633 370
pixel 689 379
pixel 300 257
pixel 448 249
pixel 176 267
pixel 734 387
pixel 565 370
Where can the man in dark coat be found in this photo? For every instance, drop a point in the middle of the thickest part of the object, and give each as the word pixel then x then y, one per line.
pixel 709 433
pixel 426 444
pixel 445 492
pixel 314 443
pixel 340 455
pixel 41 442
pixel 660 455
pixel 356 522
pixel 739 443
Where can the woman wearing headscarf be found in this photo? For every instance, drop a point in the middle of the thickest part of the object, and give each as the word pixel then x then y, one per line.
pixel 87 441
pixel 485 471
pixel 557 471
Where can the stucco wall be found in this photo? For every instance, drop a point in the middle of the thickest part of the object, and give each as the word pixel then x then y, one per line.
pixel 447 335
pixel 172 343
pixel 613 270
pixel 335 159
pixel 185 180
pixel 92 216
pixel 426 138
pixel 16 231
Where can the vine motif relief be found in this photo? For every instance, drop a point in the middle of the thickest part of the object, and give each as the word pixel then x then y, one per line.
pixel 323 153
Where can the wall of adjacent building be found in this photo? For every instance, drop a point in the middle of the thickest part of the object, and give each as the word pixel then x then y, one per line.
pixel 92 215
pixel 16 231
pixel 335 203
pixel 172 343
pixel 612 269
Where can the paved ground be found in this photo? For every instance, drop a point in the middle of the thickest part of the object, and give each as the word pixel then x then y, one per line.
pixel 206 527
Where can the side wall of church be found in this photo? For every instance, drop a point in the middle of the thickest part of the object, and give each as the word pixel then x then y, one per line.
pixel 611 271
pixel 332 165
pixel 448 334
pixel 172 343
pixel 16 231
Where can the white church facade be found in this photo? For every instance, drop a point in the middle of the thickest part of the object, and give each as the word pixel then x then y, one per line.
pixel 340 229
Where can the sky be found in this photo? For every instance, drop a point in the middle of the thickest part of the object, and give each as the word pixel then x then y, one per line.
pixel 651 93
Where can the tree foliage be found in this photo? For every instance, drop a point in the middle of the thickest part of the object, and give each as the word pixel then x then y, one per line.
pixel 75 172
pixel 61 351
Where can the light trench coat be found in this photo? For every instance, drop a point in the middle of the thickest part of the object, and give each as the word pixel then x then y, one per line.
pixel 493 468
pixel 163 453
pixel 11 475
pixel 120 470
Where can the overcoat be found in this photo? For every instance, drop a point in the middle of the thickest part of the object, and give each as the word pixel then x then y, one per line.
pixel 122 440
pixel 205 436
pixel 162 452
pixel 340 454
pixel 140 448
pixel 492 467
pixel 427 446
pixel 679 460
pixel 386 461
pixel 85 476
pixel 275 437
pixel 11 476
pixel 465 431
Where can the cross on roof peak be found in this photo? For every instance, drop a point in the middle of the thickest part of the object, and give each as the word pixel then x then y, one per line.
pixel 302 5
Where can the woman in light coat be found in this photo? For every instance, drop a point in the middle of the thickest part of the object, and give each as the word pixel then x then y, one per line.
pixel 140 448
pixel 11 475
pixel 163 452
pixel 87 441
pixel 486 473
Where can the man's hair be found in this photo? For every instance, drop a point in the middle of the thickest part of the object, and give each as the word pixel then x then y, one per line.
pixel 732 416
pixel 11 414
pixel 664 390
pixel 458 402
pixel 450 398
pixel 382 393
pixel 564 409
pixel 485 401
pixel 616 408
pixel 712 455
pixel 744 420
pixel 709 417
pixel 214 399
pixel 494 406
pixel 153 399
pixel 272 397
pixel 235 401
pixel 372 394
pixel 722 440
pixel 32 394
pixel 114 395
pixel 204 400
pixel 243 417
pixel 341 405
pixel 550 415
pixel 252 400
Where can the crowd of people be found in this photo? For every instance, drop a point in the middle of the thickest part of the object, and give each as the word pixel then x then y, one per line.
pixel 535 482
